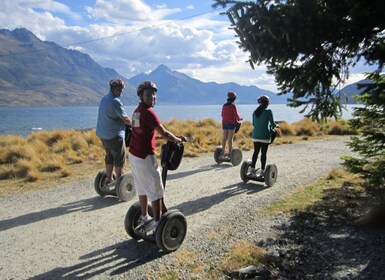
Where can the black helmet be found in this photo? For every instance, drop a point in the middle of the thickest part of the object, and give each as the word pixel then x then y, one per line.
pixel 232 94
pixel 146 85
pixel 117 83
pixel 263 100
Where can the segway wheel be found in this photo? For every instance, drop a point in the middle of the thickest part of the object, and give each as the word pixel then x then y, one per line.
pixel 99 182
pixel 271 174
pixel 217 153
pixel 125 188
pixel 236 156
pixel 244 170
pixel 171 231
pixel 132 218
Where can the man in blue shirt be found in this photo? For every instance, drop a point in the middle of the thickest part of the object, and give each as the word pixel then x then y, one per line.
pixel 110 128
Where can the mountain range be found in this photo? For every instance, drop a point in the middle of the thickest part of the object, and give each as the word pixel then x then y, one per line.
pixel 42 73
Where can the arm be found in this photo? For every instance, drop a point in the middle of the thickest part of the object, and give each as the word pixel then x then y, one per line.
pixel 237 116
pixel 168 135
pixel 127 120
pixel 272 122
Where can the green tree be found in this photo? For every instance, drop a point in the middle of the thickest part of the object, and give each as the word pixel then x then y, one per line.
pixel 369 121
pixel 310 45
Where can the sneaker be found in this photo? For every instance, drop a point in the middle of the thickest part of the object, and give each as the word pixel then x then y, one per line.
pixel 260 173
pixel 252 172
pixel 143 227
pixel 143 219
pixel 105 184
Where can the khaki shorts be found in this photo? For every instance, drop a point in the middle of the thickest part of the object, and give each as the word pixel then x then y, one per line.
pixel 147 177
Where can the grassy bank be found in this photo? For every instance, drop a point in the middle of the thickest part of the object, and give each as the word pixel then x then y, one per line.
pixel 52 157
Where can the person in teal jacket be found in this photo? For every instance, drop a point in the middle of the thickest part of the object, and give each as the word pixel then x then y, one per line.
pixel 263 122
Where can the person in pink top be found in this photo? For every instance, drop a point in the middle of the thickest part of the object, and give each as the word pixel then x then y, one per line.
pixel 145 170
pixel 230 118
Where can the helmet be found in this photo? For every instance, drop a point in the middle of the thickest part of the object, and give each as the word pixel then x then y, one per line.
pixel 263 100
pixel 231 94
pixel 146 85
pixel 117 83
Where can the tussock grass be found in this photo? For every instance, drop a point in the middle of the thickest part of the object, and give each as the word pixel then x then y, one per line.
pixel 62 154
pixel 304 197
pixel 243 254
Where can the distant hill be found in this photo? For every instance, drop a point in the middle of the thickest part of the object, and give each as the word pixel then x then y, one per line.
pixel 178 88
pixel 41 73
pixel 349 91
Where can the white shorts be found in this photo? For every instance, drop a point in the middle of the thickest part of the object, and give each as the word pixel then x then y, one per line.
pixel 147 177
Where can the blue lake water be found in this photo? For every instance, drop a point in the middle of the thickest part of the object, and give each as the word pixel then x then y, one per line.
pixel 21 121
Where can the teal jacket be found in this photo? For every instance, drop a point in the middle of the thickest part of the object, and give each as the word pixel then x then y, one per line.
pixel 262 126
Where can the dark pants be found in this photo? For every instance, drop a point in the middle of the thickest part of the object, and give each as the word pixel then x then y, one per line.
pixel 263 147
pixel 115 151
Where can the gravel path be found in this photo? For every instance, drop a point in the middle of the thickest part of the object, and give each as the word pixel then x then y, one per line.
pixel 70 232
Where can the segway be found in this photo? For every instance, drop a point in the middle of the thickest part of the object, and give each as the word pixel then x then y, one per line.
pixel 235 156
pixel 172 228
pixel 269 176
pixel 122 188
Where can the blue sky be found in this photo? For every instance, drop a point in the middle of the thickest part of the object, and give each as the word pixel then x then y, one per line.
pixel 135 36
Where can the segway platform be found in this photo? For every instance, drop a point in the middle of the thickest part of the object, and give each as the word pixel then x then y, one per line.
pixel 234 158
pixel 123 187
pixel 269 176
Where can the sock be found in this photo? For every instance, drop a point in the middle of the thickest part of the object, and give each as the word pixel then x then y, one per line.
pixel 156 223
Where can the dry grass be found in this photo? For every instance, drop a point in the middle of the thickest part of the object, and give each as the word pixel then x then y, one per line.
pixel 60 155
pixel 242 254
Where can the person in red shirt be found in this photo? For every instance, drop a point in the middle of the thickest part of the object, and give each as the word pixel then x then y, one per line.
pixel 230 117
pixel 145 170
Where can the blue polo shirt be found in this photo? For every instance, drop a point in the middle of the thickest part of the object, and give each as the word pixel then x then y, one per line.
pixel 110 118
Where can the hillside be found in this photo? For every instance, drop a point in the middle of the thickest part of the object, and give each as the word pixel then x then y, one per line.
pixel 178 88
pixel 41 73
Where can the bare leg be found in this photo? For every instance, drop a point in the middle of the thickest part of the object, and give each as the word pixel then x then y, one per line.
pixel 230 140
pixel 118 171
pixel 109 170
pixel 143 204
pixel 157 209
pixel 224 140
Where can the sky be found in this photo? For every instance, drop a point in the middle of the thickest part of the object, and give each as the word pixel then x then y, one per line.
pixel 136 36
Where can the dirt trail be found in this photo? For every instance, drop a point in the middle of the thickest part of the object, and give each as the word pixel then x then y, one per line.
pixel 70 232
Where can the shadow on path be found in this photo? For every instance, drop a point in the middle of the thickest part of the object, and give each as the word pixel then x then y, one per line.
pixel 85 205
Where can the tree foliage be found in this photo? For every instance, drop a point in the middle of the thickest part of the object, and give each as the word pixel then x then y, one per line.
pixel 309 45
pixel 369 121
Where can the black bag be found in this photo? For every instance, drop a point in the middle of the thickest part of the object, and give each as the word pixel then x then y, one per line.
pixel 128 134
pixel 171 155
pixel 273 134
pixel 237 126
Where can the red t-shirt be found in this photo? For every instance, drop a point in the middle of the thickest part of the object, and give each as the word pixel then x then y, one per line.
pixel 144 122
pixel 230 114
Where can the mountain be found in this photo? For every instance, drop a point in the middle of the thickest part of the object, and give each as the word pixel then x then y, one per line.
pixel 41 73
pixel 347 92
pixel 178 88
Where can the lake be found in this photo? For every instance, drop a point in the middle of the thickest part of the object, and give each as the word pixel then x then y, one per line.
pixel 23 120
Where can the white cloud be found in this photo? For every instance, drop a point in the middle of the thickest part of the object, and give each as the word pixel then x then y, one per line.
pixel 126 12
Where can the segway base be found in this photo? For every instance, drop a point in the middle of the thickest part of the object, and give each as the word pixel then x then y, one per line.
pixel 269 177
pixel 234 158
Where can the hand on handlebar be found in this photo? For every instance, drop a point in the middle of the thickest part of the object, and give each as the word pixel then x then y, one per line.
pixel 183 138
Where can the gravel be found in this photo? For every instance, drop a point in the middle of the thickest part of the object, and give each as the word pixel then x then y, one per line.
pixel 69 232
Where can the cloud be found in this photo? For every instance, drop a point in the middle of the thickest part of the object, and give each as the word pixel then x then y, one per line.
pixel 126 12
